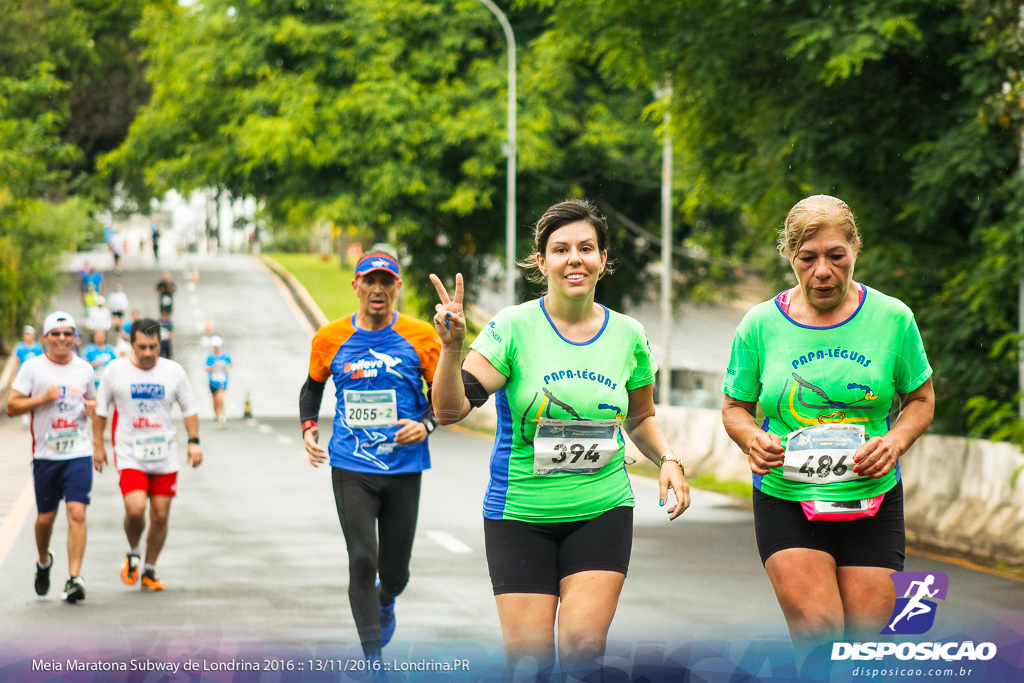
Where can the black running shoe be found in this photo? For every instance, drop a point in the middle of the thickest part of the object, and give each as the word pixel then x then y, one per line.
pixel 43 577
pixel 74 590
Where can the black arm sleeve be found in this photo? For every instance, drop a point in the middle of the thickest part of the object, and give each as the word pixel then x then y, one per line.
pixel 310 397
pixel 475 391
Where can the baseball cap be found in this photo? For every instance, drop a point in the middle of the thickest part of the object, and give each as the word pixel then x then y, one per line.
pixel 216 340
pixel 100 300
pixel 57 319
pixel 29 329
pixel 377 262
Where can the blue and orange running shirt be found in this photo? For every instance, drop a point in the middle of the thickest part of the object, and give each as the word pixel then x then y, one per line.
pixel 850 372
pixel 367 366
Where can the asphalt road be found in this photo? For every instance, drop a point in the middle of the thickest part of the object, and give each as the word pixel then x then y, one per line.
pixel 255 564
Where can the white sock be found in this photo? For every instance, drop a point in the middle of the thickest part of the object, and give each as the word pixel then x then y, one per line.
pixel 134 551
pixel 44 566
pixel 150 567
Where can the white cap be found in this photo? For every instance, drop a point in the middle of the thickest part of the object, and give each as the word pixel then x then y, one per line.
pixel 28 329
pixel 100 301
pixel 57 319
pixel 216 340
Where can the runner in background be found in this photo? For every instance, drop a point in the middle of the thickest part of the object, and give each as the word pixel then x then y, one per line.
pixel 165 290
pixel 218 368
pixel 568 375
pixel 139 391
pixel 99 353
pixel 166 334
pixel 117 247
pixel 57 389
pixel 118 305
pixel 378 359
pixel 99 319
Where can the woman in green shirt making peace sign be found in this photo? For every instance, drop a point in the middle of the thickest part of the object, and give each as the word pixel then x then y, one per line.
pixel 558 512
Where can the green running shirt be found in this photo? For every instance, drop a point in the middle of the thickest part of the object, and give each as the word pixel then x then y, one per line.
pixel 551 377
pixel 849 372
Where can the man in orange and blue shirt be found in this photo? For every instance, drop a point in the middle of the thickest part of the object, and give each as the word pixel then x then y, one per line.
pixel 378 359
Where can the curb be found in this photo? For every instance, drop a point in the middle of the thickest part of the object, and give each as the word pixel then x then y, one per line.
pixel 316 317
pixel 5 382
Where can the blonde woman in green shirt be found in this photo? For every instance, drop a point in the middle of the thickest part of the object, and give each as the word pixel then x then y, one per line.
pixel 841 375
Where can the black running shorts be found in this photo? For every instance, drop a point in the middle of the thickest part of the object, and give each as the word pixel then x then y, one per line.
pixel 878 541
pixel 529 557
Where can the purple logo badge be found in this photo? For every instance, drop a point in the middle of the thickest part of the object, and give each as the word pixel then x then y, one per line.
pixel 916 593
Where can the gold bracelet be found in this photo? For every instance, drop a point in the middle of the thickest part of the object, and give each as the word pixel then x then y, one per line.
pixel 676 460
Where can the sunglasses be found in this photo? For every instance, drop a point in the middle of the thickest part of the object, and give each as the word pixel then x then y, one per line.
pixel 62 334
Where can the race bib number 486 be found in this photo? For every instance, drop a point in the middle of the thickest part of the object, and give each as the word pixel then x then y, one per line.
pixel 823 454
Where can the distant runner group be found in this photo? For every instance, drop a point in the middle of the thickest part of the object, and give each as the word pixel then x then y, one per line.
pixel 66 398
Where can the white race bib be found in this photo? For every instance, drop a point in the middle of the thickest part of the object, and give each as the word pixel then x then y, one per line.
pixel 219 376
pixel 68 441
pixel 823 454
pixel 371 408
pixel 576 446
pixel 151 448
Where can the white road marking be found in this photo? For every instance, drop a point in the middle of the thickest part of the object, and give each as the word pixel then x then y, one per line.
pixel 284 440
pixel 449 542
pixel 266 429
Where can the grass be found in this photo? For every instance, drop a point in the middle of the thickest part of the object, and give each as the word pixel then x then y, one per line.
pixel 331 288
pixel 329 285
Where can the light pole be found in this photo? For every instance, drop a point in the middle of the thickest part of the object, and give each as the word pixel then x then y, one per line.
pixel 510 153
pixel 666 246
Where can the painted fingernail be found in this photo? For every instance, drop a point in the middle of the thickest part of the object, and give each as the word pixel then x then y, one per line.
pixel 855 471
pixel 661 502
pixel 447 326
pixel 856 459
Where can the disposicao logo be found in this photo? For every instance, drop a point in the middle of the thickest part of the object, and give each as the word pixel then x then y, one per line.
pixel 915 610
pixel 914 614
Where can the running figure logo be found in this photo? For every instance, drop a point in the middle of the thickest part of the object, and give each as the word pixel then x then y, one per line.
pixel 914 613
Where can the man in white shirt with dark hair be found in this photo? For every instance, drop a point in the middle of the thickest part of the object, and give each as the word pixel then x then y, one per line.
pixel 57 390
pixel 139 390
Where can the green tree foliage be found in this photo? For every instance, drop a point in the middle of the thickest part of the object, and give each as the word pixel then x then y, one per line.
pixel 391 115
pixel 69 85
pixel 898 106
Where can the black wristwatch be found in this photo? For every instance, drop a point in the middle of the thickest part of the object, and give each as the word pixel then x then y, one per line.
pixel 194 439
pixel 430 423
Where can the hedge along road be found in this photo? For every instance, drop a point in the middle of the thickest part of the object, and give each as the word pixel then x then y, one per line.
pixel 255 563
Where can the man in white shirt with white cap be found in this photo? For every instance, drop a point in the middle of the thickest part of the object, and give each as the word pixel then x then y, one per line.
pixel 57 390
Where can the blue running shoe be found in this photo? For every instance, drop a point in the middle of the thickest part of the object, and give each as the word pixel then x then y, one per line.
pixel 387 623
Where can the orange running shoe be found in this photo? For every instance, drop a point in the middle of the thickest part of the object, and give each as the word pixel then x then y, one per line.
pixel 150 582
pixel 130 569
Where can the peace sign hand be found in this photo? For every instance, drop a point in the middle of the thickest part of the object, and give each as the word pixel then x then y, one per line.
pixel 449 318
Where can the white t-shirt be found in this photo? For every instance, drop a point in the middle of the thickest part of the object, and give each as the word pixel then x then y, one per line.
pixel 140 401
pixel 60 429
pixel 99 319
pixel 117 301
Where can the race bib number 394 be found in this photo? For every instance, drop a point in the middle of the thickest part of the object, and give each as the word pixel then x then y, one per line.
pixel 578 447
pixel 822 454
pixel 371 408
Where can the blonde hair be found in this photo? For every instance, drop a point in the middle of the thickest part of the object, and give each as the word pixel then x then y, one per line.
pixel 810 215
